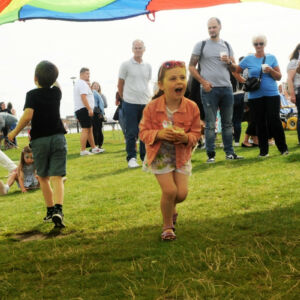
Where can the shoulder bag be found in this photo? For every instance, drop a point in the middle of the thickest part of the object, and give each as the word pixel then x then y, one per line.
pixel 253 83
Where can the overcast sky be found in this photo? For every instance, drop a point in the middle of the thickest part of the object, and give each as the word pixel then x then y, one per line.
pixel 103 46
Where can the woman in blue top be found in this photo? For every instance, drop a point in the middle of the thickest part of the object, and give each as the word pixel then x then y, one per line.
pixel 264 102
pixel 98 117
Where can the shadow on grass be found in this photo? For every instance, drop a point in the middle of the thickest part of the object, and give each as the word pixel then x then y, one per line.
pixel 37 235
pixel 212 258
pixel 292 157
pixel 18 192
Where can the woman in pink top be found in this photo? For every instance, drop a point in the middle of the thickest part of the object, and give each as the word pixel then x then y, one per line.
pixel 170 129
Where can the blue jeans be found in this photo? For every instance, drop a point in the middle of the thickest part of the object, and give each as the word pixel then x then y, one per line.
pixel 222 98
pixel 121 120
pixel 132 115
pixel 237 117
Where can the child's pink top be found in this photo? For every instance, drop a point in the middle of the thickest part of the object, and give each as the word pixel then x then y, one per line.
pixel 187 116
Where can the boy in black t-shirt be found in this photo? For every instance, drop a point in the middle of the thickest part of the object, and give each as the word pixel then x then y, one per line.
pixel 48 142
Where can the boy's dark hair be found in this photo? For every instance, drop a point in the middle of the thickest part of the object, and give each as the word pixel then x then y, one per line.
pixel 82 70
pixel 46 73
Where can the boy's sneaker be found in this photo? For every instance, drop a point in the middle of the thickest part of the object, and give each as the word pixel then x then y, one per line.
pixel 132 163
pixel 57 218
pixel 233 156
pixel 48 217
pixel 85 152
pixel 3 188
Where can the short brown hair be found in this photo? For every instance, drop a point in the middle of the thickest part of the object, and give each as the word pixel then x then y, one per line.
pixel 82 70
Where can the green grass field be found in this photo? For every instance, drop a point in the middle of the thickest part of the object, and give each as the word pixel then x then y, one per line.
pixel 238 231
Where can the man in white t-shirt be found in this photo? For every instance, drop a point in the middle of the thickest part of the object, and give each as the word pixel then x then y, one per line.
pixel 84 111
pixel 133 87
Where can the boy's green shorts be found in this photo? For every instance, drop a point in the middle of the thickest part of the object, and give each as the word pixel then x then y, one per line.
pixel 50 155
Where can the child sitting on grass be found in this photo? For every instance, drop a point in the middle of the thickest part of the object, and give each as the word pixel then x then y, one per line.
pixel 48 142
pixel 24 175
pixel 170 129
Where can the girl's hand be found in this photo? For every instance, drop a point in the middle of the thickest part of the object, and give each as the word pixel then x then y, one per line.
pixel 23 190
pixel 181 138
pixel 166 134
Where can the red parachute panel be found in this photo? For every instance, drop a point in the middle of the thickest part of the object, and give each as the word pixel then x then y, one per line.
pixel 4 4
pixel 156 5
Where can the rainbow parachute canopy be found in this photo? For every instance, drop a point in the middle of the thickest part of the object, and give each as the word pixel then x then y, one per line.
pixel 103 10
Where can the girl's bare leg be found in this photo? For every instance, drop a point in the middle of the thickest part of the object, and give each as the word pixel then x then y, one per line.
pixel 12 178
pixel 181 181
pixel 168 197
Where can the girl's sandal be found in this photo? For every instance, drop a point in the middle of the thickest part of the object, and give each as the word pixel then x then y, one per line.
pixel 174 221
pixel 168 235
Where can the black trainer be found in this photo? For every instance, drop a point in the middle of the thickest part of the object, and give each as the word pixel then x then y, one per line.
pixel 58 218
pixel 233 156
pixel 48 217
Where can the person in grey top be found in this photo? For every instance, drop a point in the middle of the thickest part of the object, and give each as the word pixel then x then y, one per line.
pixel 7 120
pixel 216 89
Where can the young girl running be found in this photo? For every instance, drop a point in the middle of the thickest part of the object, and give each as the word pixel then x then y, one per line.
pixel 24 175
pixel 170 128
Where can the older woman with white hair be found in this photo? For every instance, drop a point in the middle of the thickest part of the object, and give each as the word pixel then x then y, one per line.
pixel 264 102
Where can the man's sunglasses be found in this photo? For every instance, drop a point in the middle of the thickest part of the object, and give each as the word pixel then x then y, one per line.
pixel 260 44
